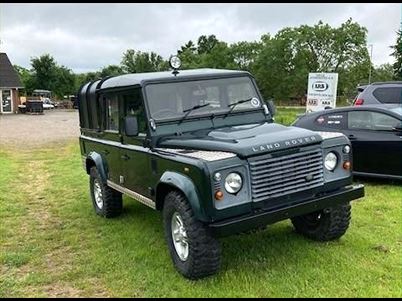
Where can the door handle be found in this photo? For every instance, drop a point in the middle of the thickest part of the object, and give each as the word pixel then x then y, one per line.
pixel 106 152
pixel 125 157
pixel 352 137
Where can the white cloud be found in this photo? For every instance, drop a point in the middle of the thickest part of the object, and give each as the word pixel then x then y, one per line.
pixel 86 37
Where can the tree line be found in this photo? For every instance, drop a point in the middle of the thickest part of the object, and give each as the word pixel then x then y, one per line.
pixel 280 63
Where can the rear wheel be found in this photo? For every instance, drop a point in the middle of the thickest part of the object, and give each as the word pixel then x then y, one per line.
pixel 324 225
pixel 195 253
pixel 107 202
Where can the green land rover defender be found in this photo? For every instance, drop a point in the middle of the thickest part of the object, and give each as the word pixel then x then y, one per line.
pixel 202 147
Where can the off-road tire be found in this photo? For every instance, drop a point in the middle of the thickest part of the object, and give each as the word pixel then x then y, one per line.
pixel 112 199
pixel 330 226
pixel 204 250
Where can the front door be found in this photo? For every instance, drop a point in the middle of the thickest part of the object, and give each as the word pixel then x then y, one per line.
pixel 135 157
pixel 376 147
pixel 6 101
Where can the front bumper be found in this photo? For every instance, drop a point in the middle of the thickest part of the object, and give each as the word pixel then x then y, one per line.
pixel 264 217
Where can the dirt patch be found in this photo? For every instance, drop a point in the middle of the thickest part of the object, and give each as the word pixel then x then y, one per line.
pixel 27 131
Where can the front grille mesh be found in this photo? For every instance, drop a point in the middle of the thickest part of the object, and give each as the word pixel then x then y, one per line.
pixel 273 177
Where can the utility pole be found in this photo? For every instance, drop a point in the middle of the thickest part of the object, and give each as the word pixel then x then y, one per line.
pixel 371 58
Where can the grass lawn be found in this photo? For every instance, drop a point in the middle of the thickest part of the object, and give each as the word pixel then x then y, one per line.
pixel 53 244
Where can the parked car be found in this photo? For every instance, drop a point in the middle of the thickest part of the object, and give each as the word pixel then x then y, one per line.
pixel 375 133
pixel 201 146
pixel 379 93
pixel 48 104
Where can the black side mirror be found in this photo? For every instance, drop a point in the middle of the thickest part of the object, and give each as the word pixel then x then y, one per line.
pixel 272 107
pixel 131 126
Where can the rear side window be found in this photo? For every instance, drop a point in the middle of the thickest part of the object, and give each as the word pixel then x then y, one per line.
pixel 333 120
pixel 388 94
pixel 366 120
pixel 112 113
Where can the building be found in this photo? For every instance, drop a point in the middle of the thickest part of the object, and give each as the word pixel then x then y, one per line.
pixel 10 84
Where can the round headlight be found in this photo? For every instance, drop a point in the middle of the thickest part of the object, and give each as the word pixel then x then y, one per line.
pixel 175 62
pixel 346 149
pixel 330 161
pixel 233 182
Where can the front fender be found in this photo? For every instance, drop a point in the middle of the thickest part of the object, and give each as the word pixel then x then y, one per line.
pixel 96 159
pixel 185 185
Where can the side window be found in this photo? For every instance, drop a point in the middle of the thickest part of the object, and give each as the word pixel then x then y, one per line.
pixel 112 113
pixel 334 120
pixel 388 95
pixel 134 107
pixel 365 120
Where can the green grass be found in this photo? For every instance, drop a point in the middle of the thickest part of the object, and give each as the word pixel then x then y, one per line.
pixel 287 115
pixel 53 244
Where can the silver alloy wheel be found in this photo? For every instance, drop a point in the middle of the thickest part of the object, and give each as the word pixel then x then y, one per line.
pixel 98 194
pixel 179 236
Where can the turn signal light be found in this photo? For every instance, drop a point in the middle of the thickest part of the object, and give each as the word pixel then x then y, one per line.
pixel 218 195
pixel 346 165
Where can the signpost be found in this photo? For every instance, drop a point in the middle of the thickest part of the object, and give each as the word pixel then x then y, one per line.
pixel 321 91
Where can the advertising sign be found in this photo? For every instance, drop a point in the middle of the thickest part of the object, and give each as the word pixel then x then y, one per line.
pixel 321 92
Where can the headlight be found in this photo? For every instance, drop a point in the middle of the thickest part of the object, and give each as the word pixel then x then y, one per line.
pixel 330 161
pixel 346 149
pixel 233 182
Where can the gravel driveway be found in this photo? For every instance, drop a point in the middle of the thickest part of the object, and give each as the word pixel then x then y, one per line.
pixel 35 130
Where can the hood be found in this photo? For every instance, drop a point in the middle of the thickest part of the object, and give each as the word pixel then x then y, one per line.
pixel 243 140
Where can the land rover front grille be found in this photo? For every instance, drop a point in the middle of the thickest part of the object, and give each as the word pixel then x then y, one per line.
pixel 273 177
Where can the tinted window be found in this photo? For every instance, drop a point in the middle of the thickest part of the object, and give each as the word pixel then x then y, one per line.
pixel 388 95
pixel 134 107
pixel 333 120
pixel 112 113
pixel 365 120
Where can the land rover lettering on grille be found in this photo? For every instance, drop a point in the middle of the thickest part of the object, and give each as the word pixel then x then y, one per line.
pixel 201 146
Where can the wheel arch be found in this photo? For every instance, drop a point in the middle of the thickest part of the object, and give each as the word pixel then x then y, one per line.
pixel 171 181
pixel 95 159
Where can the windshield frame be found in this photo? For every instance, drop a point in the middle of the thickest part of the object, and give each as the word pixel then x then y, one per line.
pixel 206 115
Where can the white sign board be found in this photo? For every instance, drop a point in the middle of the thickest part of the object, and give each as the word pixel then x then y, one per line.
pixel 321 92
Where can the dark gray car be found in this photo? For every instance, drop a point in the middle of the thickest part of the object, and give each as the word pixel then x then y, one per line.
pixel 379 93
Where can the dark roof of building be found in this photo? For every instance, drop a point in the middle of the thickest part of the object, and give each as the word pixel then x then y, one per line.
pixel 143 78
pixel 9 77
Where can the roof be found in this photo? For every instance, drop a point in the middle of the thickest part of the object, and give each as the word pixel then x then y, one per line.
pixel 393 108
pixel 9 77
pixel 143 78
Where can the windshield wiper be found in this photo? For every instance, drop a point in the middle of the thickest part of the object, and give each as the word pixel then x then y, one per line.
pixel 188 111
pixel 233 105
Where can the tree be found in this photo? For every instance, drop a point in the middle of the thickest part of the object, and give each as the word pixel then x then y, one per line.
pixel 287 58
pixel 137 61
pixel 48 75
pixel 397 54
pixel 383 73
pixel 111 70
pixel 44 71
pixel 26 77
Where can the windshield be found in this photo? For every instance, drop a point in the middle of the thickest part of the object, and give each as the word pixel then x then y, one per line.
pixel 212 96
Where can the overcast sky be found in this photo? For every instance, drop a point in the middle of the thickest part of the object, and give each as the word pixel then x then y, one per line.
pixel 87 37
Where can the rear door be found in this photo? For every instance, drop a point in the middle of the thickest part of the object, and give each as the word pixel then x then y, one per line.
pixel 110 148
pixel 376 147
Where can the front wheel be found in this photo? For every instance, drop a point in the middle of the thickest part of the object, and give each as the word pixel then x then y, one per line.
pixel 195 253
pixel 324 225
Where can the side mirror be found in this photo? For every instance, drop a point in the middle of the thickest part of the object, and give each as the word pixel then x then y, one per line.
pixel 131 126
pixel 272 107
